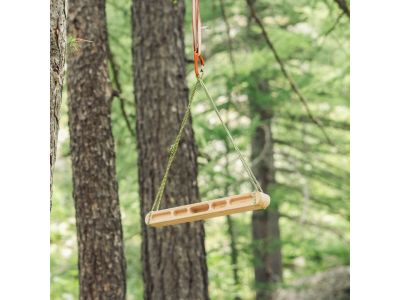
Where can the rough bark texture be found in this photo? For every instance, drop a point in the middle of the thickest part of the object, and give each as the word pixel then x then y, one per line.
pixel 230 222
pixel 333 284
pixel 234 255
pixel 95 190
pixel 173 258
pixel 265 223
pixel 58 39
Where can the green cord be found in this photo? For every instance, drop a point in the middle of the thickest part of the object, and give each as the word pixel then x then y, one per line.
pixel 250 173
pixel 174 147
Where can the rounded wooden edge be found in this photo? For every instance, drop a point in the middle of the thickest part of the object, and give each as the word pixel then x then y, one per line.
pixel 147 218
pixel 264 200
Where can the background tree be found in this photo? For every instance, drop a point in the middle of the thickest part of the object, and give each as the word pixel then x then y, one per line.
pixel 173 258
pixel 95 188
pixel 58 40
pixel 265 223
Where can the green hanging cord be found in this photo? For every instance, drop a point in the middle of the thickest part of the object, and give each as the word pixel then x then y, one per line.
pixel 250 173
pixel 174 148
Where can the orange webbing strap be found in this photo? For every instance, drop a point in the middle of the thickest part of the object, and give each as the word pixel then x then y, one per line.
pixel 196 30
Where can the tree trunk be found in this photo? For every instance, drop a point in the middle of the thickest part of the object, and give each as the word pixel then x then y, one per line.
pixel 173 258
pixel 95 190
pixel 234 255
pixel 230 223
pixel 265 223
pixel 58 39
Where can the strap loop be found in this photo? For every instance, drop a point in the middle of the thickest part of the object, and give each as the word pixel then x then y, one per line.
pixel 196 31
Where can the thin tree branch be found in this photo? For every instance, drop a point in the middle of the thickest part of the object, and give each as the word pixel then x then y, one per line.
pixel 228 34
pixel 118 89
pixel 315 176
pixel 313 147
pixel 285 73
pixel 314 163
pixel 262 156
pixel 318 225
pixel 331 174
pixel 310 133
pixel 343 6
pixel 122 101
pixel 325 121
pixel 319 200
pixel 326 33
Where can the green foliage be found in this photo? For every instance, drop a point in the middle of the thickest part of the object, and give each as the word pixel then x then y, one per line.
pixel 312 189
pixel 72 44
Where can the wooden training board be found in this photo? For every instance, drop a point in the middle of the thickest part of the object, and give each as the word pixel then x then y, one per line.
pixel 208 209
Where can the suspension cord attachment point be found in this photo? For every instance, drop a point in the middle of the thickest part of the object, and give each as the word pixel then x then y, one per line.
pixel 198 57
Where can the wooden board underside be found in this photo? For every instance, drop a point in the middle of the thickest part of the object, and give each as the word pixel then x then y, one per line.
pixel 208 209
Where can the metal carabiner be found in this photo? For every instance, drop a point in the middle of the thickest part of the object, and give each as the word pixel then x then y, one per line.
pixel 196 59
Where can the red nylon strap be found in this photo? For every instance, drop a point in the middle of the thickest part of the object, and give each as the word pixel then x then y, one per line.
pixel 196 30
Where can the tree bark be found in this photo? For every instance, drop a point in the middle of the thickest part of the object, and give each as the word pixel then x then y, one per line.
pixel 173 258
pixel 95 190
pixel 234 255
pixel 230 223
pixel 58 39
pixel 265 223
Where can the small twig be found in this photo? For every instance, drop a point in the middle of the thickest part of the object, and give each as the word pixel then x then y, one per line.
pixel 318 225
pixel 293 144
pixel 83 40
pixel 324 201
pixel 343 125
pixel 118 91
pixel 326 33
pixel 263 152
pixel 315 162
pixel 292 83
pixel 328 171
pixel 228 34
pixel 122 100
pixel 204 155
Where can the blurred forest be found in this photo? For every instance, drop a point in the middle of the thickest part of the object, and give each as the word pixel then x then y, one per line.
pixel 309 155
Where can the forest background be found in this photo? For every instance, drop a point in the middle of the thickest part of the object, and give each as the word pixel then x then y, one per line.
pixel 310 189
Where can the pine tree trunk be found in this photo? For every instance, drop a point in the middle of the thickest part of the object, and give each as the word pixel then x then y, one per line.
pixel 230 223
pixel 173 258
pixel 98 219
pixel 58 39
pixel 265 223
pixel 234 255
